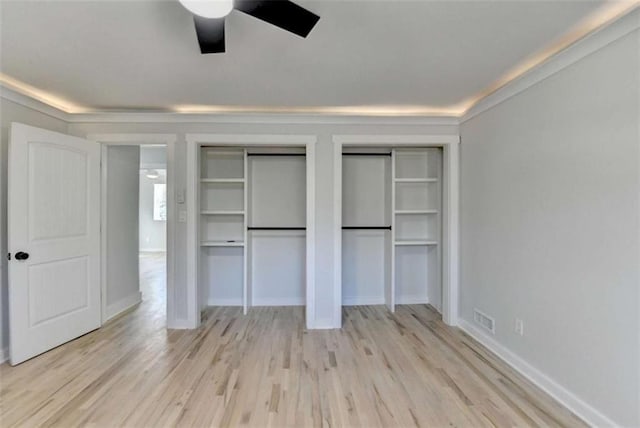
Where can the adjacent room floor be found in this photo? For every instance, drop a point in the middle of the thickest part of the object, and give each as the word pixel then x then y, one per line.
pixel 265 369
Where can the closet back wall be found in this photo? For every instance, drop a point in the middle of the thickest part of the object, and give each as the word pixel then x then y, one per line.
pixel 277 198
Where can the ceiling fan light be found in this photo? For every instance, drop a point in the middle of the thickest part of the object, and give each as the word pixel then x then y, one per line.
pixel 208 8
pixel 152 174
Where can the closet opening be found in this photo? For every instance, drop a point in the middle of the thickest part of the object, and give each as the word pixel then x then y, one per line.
pixel 392 226
pixel 252 226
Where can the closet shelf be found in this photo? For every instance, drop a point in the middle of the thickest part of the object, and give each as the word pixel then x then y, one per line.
pixel 416 212
pixel 222 180
pixel 222 244
pixel 276 228
pixel 222 212
pixel 415 180
pixel 233 153
pixel 416 243
pixel 366 227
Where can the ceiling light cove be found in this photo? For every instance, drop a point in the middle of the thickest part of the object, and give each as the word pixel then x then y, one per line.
pixel 45 97
pixel 372 110
pixel 208 8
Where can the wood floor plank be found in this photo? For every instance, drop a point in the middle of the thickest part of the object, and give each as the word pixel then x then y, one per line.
pixel 265 369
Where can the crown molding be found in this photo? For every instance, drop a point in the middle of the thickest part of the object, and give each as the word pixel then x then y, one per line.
pixel 264 118
pixel 563 59
pixel 32 103
pixel 221 118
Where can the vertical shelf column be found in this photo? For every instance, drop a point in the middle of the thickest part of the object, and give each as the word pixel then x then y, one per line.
pixel 246 297
pixel 222 226
pixel 391 296
pixel 416 226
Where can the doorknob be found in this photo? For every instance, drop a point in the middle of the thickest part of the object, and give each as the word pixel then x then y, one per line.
pixel 21 255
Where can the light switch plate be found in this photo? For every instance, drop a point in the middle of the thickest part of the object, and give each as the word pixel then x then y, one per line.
pixel 180 197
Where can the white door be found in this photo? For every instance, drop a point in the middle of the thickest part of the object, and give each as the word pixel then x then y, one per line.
pixel 54 239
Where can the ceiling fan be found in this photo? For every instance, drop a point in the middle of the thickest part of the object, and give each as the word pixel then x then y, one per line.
pixel 209 17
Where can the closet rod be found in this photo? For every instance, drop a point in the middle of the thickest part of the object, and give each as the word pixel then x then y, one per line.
pixel 276 228
pixel 365 154
pixel 366 227
pixel 276 154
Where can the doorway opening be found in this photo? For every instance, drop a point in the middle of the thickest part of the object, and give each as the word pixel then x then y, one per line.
pixel 136 237
pixel 152 226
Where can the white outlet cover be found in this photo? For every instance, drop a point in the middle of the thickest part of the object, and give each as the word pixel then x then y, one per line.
pixel 519 327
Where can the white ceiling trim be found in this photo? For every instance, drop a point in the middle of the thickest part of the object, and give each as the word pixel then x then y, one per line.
pixel 32 103
pixel 574 53
pixel 266 118
pixel 219 118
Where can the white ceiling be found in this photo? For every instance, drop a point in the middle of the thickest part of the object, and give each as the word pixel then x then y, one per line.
pixel 144 55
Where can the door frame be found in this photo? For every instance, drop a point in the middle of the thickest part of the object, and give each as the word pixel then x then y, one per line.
pixel 450 203
pixel 169 141
pixel 194 142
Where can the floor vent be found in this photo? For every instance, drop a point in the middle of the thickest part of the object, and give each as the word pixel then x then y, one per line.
pixel 484 321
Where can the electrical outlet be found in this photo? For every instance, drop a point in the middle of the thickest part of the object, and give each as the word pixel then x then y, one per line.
pixel 182 216
pixel 519 327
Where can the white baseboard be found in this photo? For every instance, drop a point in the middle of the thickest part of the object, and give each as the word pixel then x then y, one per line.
pixel 379 300
pixel 323 324
pixel 412 300
pixel 589 414
pixel 122 305
pixel 153 250
pixel 360 301
pixel 179 324
pixel 4 355
pixel 224 302
pixel 288 301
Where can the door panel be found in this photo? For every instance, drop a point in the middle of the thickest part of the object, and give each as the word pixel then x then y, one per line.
pixel 60 205
pixel 70 294
pixel 54 216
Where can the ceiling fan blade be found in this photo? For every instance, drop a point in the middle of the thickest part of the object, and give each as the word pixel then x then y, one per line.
pixel 210 34
pixel 281 13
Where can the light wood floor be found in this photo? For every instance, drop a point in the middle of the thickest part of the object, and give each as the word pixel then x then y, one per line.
pixel 264 369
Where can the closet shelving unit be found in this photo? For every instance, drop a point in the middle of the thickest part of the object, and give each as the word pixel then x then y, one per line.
pixel 252 226
pixel 223 220
pixel 402 198
pixel 416 226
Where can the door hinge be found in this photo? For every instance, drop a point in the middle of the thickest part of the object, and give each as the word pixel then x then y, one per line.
pixel 8 256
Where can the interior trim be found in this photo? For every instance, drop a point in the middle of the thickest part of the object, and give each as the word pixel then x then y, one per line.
pixel 568 399
pixel 556 63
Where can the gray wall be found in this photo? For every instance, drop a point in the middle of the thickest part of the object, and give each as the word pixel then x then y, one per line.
pixel 122 270
pixel 12 112
pixel 549 225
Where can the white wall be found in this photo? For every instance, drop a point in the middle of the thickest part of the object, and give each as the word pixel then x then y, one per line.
pixel 13 112
pixel 324 178
pixel 549 224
